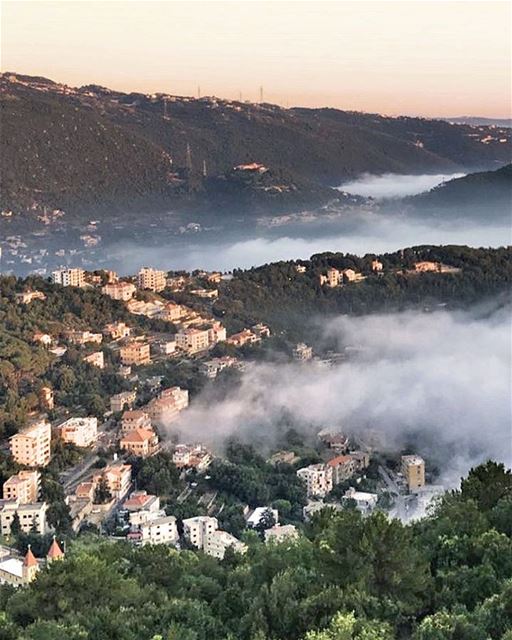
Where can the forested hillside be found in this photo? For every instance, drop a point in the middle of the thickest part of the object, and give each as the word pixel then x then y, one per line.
pixel 347 577
pixel 92 150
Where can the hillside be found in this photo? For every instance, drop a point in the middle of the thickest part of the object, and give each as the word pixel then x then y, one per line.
pixel 93 150
pixel 486 195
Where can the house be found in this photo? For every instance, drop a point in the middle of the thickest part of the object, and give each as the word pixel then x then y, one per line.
pixel 142 501
pixel 279 533
pixel 135 353
pixel 343 468
pixel 216 333
pixel 132 420
pixel 43 338
pixel 26 297
pixel 217 542
pixel 117 330
pixel 159 530
pixel 68 277
pixel 332 279
pixel 336 441
pixel 140 442
pixel 193 340
pixel 83 337
pixel 283 457
pixel 173 312
pixel 121 400
pixel 81 432
pixel 118 477
pixel 365 502
pixel 23 487
pixel 46 398
pixel 85 491
pixel 377 266
pixel 119 290
pixel 31 447
pixel 198 528
pixel 151 279
pixel 254 518
pixel 261 330
pixel 96 359
pixel 300 268
pixel 191 457
pixel 361 460
pixel 205 293
pixel 167 406
pixel 211 368
pixel 167 347
pixel 242 338
pixel 425 266
pixel 413 470
pixel 302 352
pixel 318 479
pixel 31 515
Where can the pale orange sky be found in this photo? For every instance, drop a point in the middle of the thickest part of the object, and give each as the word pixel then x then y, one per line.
pixel 413 57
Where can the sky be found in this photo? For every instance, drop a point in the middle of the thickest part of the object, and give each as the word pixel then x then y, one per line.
pixel 432 58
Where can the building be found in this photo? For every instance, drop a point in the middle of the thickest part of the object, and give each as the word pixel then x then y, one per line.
pixel 377 266
pixel 302 352
pixel 167 406
pixel 343 468
pixel 365 502
pixel 142 501
pixel 413 470
pixel 83 337
pixel 31 447
pixel 332 279
pixel 197 529
pixel 205 293
pixel 426 265
pixel 151 279
pixel 118 478
pixel 261 330
pixel 46 400
pixel 43 338
pixel 336 441
pixel 81 432
pixel 361 460
pixel 23 487
pixel 300 268
pixel 173 312
pixel 135 353
pixel 28 296
pixel 167 347
pixel 216 333
pixel 68 277
pixel 193 340
pixel 283 457
pixel 119 290
pixel 318 479
pixel 243 337
pixel 191 457
pixel 217 542
pixel 54 552
pixel 140 442
pixel 32 516
pixel 117 330
pixel 96 359
pixel 85 491
pixel 131 420
pixel 279 533
pixel 254 518
pixel 159 530
pixel 16 571
pixel 350 275
pixel 211 368
pixel 121 400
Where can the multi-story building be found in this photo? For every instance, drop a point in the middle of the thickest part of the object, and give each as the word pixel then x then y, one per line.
pixel 193 340
pixel 413 470
pixel 197 529
pixel 192 457
pixel 28 296
pixel 179 395
pixel 96 359
pixel 243 337
pixel 213 367
pixel 361 460
pixel 343 468
pixel 69 277
pixel 83 337
pixel 152 279
pixel 217 542
pixel 119 290
pixel 278 533
pixel 32 516
pixel 142 501
pixel 31 447
pixel 377 265
pixel 121 400
pixel 81 432
pixel 135 353
pixel 23 487
pixel 117 330
pixel 302 352
pixel 118 478
pixel 159 530
pixel 46 400
pixel 318 479
pixel 140 442
pixel 216 333
pixel 137 419
pixel 166 408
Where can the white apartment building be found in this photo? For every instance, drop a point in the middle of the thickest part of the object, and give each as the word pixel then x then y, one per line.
pixel 197 529
pixel 68 277
pixel 30 515
pixel 318 479
pixel 152 279
pixel 159 530
pixel 23 487
pixel 278 533
pixel 218 541
pixel 31 447
pixel 193 340
pixel 82 432
pixel 119 290
pixel 120 400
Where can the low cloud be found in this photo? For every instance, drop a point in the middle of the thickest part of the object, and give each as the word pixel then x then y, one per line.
pixel 441 381
pixel 392 185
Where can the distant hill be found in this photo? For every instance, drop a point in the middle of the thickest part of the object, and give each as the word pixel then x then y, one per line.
pixel 476 121
pixel 93 151
pixel 487 194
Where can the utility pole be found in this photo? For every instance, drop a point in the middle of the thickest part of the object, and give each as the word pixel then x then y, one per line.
pixel 189 158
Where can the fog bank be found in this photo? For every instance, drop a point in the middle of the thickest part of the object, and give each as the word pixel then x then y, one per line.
pixel 393 185
pixel 441 380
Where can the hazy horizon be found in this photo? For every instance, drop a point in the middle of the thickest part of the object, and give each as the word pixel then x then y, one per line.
pixel 395 58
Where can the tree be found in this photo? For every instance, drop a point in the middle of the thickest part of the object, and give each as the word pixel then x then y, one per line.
pixel 267 521
pixel 102 493
pixel 15 526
